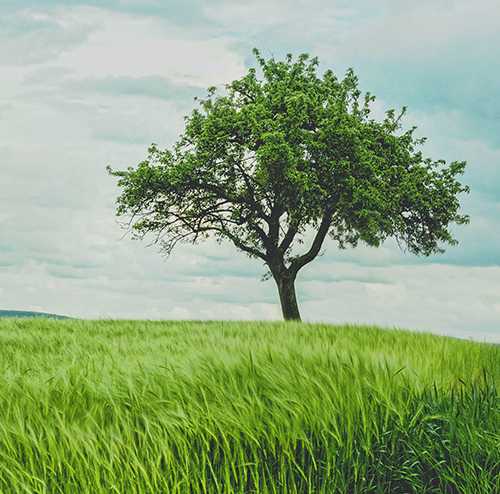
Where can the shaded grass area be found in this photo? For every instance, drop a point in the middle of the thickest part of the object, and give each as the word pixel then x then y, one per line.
pixel 224 407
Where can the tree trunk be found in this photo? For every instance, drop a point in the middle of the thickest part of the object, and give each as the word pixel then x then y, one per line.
pixel 288 299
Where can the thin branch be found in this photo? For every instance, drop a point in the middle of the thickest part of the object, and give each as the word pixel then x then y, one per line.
pixel 238 242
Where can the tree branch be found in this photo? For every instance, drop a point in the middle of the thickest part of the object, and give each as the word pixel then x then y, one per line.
pixel 223 231
pixel 299 262
pixel 290 235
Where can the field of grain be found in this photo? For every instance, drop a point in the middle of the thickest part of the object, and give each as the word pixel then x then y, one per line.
pixel 117 406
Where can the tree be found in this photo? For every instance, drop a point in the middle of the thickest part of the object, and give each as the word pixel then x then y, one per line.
pixel 275 157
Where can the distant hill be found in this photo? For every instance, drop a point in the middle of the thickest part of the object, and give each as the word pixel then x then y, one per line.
pixel 24 313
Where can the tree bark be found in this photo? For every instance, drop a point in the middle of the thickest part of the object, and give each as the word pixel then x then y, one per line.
pixel 285 277
pixel 288 299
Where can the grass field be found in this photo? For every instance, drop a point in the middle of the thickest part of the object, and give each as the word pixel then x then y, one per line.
pixel 233 407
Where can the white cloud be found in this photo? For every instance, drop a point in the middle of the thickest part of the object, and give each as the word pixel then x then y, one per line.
pixel 384 293
pixel 4 217
pixel 52 285
pixel 153 313
pixel 10 75
pixel 424 30
pixel 142 46
pixel 36 308
pixel 28 37
pixel 180 313
pixel 262 14
pixel 242 313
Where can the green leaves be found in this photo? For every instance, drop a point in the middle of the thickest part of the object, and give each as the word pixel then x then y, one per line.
pixel 270 157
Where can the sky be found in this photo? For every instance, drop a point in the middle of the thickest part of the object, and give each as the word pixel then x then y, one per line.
pixel 85 84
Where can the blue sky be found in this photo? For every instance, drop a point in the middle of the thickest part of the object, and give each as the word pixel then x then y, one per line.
pixel 87 84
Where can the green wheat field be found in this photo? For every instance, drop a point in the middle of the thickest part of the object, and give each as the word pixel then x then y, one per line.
pixel 118 406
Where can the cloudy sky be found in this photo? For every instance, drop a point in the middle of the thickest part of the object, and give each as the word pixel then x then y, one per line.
pixel 84 84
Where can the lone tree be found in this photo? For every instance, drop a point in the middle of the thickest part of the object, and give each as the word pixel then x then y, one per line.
pixel 275 157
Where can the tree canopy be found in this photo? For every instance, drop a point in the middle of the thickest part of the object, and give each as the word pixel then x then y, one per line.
pixel 273 157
